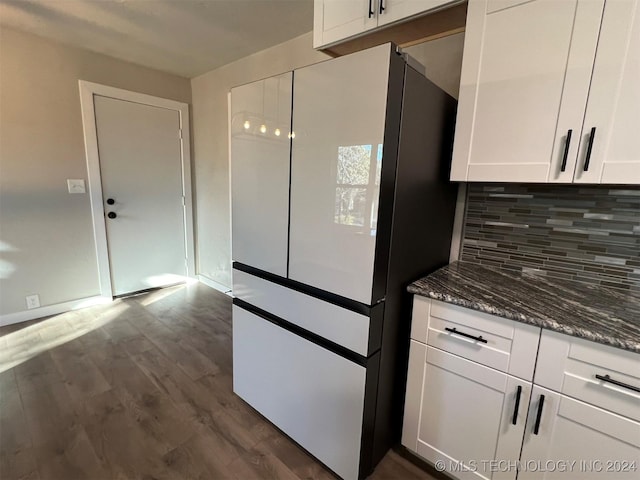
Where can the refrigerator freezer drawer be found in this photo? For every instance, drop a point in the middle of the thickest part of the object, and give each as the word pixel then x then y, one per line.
pixel 344 327
pixel 313 395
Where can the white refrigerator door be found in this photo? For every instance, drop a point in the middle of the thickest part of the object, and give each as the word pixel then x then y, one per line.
pixel 338 122
pixel 259 126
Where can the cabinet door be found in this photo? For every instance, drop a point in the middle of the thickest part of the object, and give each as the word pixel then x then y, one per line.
pixel 335 20
pixel 390 11
pixel 524 83
pixel 613 110
pixel 260 123
pixel 577 440
pixel 339 121
pixel 466 414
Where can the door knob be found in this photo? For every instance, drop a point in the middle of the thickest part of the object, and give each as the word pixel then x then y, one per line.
pixel 110 201
pixel 112 215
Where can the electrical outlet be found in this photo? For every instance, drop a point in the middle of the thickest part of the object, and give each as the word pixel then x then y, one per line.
pixel 75 185
pixel 33 301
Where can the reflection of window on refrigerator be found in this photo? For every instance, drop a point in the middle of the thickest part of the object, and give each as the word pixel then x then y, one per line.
pixel 358 183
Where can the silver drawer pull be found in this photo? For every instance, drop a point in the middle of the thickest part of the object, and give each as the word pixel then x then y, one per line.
pixel 608 379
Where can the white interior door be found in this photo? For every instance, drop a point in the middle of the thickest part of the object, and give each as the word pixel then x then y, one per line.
pixel 141 170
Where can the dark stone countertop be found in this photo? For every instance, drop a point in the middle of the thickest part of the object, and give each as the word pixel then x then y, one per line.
pixel 603 315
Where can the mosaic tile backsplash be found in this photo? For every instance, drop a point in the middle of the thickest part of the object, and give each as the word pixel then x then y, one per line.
pixel 584 233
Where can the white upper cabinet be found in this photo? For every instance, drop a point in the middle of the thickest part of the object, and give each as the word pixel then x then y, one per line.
pixel 259 125
pixel 550 92
pixel 390 11
pixel 335 20
pixel 613 109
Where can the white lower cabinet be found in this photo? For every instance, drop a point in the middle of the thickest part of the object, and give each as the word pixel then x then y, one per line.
pixel 569 439
pixel 475 420
pixel 464 416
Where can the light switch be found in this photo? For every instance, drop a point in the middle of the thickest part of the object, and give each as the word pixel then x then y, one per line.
pixel 76 185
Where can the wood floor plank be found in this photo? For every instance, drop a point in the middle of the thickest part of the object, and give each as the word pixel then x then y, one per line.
pixel 218 351
pixel 13 434
pixel 60 444
pixel 258 464
pixel 236 411
pixel 93 338
pixel 198 458
pixel 157 416
pixel 123 447
pixel 188 359
pixel 393 466
pixel 19 465
pixel 16 454
pixel 152 410
pixel 79 372
pixel 118 369
pixel 188 395
pixel 37 372
pixel 294 457
pixel 8 382
pixel 21 349
pixel 236 433
pixel 121 330
pixel 50 413
pixel 70 457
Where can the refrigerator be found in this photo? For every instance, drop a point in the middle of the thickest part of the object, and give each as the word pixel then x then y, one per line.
pixel 340 199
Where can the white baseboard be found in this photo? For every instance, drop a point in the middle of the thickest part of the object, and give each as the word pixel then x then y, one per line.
pixel 215 285
pixel 34 313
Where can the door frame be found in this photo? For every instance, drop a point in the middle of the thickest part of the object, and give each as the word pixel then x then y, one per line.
pixel 87 92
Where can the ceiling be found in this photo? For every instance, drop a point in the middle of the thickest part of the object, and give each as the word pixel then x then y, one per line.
pixel 184 37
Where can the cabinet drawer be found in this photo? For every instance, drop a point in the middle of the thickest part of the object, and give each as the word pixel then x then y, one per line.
pixel 342 326
pixel 496 342
pixel 569 365
pixel 311 394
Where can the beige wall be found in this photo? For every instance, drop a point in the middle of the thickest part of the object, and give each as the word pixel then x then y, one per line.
pixel 46 234
pixel 442 59
pixel 211 145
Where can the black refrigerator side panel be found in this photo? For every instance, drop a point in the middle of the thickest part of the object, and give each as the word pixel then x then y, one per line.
pixel 388 176
pixel 423 214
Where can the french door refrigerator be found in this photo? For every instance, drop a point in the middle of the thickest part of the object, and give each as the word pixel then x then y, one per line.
pixel 339 200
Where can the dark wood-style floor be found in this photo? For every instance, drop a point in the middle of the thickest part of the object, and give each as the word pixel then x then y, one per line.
pixel 140 389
